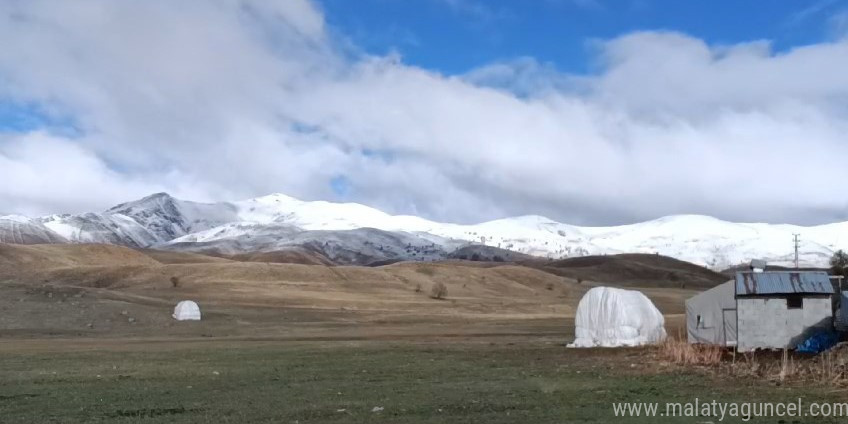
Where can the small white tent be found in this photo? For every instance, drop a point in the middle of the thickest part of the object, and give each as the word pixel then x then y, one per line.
pixel 610 317
pixel 187 310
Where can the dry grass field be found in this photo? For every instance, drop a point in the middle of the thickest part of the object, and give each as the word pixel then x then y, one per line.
pixel 110 291
pixel 86 336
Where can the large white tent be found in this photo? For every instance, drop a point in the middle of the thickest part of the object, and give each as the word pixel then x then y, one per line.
pixel 187 310
pixel 711 316
pixel 610 317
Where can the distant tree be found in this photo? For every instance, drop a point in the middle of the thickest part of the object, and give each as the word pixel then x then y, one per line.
pixel 439 290
pixel 175 281
pixel 475 257
pixel 498 258
pixel 838 262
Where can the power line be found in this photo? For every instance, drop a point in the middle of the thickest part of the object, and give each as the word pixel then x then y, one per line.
pixel 796 242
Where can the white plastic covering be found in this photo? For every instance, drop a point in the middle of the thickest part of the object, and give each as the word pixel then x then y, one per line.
pixel 187 310
pixel 610 317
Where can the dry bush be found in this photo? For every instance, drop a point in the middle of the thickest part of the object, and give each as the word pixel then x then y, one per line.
pixel 829 368
pixel 439 290
pixel 787 366
pixel 175 282
pixel 682 353
pixel 417 287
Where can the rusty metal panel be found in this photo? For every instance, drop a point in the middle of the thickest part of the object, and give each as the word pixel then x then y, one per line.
pixel 783 282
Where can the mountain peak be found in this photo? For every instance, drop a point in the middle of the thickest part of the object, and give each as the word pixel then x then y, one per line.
pixel 155 198
pixel 160 195
pixel 274 198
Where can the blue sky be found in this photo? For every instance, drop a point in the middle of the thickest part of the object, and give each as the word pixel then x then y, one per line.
pixel 454 36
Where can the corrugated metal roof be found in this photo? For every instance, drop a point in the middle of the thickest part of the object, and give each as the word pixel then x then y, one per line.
pixel 783 282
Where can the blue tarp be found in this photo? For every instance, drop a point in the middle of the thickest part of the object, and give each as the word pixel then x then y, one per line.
pixel 818 342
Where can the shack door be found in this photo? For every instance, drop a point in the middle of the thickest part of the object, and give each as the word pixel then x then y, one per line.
pixel 728 318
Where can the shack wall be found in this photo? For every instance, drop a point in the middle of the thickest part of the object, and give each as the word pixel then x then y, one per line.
pixel 767 322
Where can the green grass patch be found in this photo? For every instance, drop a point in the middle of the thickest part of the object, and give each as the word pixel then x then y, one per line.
pixel 344 382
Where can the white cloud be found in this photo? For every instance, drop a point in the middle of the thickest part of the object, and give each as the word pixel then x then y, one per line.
pixel 41 172
pixel 226 99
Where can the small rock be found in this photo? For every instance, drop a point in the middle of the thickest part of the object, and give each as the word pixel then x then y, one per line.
pixel 377 409
pixel 215 373
pixel 341 410
pixel 50 295
pixel 131 320
pixel 124 312
pixel 90 325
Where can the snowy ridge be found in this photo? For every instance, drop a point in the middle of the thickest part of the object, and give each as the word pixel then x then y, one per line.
pixel 153 219
pixel 22 230
pixel 355 231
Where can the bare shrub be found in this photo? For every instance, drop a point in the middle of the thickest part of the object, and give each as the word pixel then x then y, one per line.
pixel 439 290
pixel 828 368
pixel 787 366
pixel 175 281
pixel 417 287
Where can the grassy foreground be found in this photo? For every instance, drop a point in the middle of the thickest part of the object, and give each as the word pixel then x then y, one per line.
pixel 342 382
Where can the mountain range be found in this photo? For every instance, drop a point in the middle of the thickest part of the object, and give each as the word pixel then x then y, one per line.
pixel 351 233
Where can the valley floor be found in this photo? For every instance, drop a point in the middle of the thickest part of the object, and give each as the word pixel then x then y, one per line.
pixel 493 379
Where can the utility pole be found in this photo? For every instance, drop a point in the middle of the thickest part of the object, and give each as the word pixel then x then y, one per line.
pixel 797 242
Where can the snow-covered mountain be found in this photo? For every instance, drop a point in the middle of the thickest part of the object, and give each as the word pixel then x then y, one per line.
pixel 354 233
pixel 154 219
pixel 350 246
pixel 22 230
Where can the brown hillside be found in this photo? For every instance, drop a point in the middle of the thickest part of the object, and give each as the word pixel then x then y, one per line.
pixel 290 256
pixel 633 270
pixel 15 257
pixel 174 257
pixel 112 291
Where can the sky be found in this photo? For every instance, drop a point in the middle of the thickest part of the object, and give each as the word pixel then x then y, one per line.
pixel 590 112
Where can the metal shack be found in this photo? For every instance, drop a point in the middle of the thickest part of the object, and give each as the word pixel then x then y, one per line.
pixel 761 310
